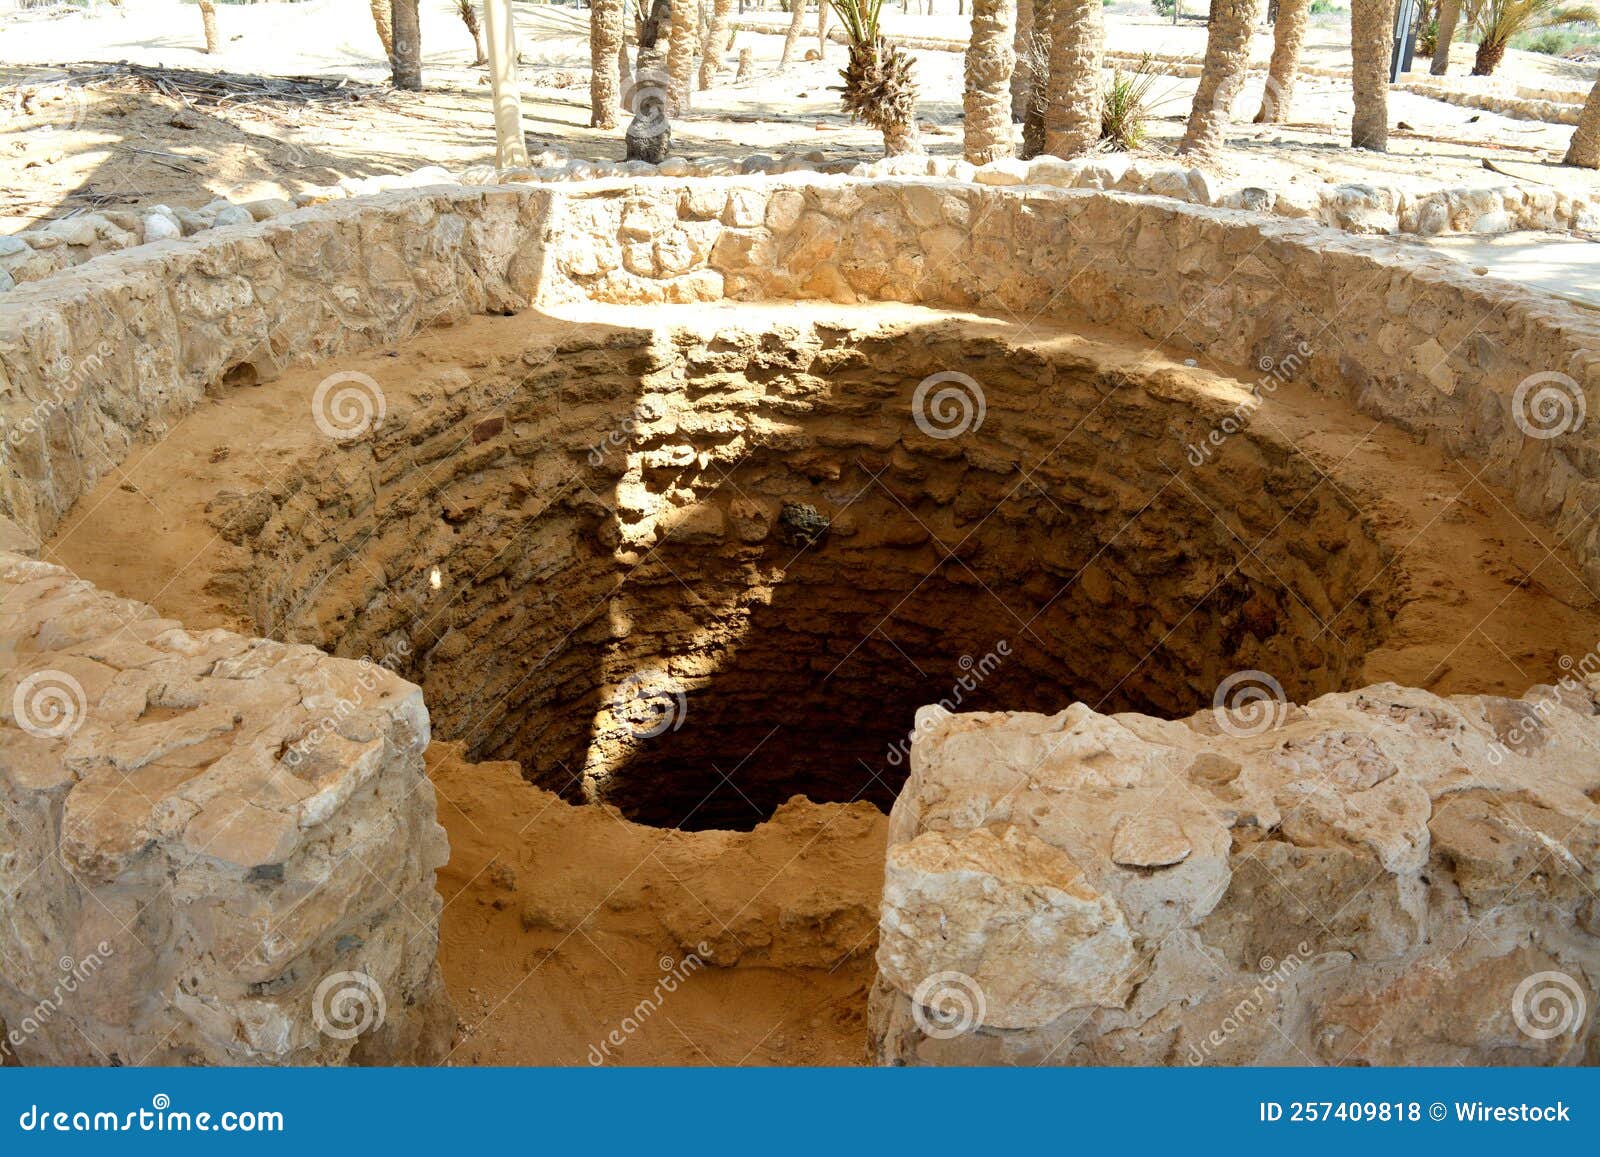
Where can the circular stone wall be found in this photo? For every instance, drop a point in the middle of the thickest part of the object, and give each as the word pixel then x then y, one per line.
pixel 607 495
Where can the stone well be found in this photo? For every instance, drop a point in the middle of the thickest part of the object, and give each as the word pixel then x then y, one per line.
pixel 737 515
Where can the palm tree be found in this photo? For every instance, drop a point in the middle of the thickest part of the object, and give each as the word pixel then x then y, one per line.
pixel 1222 74
pixel 987 97
pixel 382 21
pixel 1584 151
pixel 406 62
pixel 797 16
pixel 1022 62
pixel 879 89
pixel 208 16
pixel 605 81
pixel 1288 33
pixel 1497 21
pixel 468 11
pixel 1449 13
pixel 716 42
pixel 681 47
pixel 1076 94
pixel 1371 38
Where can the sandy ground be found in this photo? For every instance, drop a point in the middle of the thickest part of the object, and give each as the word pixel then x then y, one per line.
pixel 120 149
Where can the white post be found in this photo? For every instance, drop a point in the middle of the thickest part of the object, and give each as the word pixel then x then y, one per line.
pixel 510 149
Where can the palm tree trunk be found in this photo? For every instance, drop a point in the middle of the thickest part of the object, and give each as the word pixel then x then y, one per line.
pixel 385 26
pixel 987 97
pixel 1490 53
pixel 822 29
pixel 1077 49
pixel 1222 75
pixel 1371 39
pixel 605 84
pixel 901 138
pixel 716 38
pixel 406 63
pixel 1039 80
pixel 1288 33
pixel 797 16
pixel 1022 61
pixel 1584 151
pixel 1449 13
pixel 624 72
pixel 208 16
pixel 681 46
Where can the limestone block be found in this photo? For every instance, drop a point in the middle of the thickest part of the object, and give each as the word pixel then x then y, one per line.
pixel 233 864
pixel 1386 876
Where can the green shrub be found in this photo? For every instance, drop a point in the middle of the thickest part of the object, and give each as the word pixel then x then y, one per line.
pixel 1127 106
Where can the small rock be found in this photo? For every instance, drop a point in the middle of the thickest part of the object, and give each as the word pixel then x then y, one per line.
pixel 1005 171
pixel 233 215
pixel 1149 842
pixel 158 227
pixel 1202 188
pixel 267 207
pixel 801 524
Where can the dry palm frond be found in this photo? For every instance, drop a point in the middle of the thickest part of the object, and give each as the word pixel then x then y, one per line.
pixel 879 89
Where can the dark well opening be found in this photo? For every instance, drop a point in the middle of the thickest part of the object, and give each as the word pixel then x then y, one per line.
pixel 695 573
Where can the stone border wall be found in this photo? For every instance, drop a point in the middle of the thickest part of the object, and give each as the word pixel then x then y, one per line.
pixel 217 850
pixel 213 728
pixel 92 363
